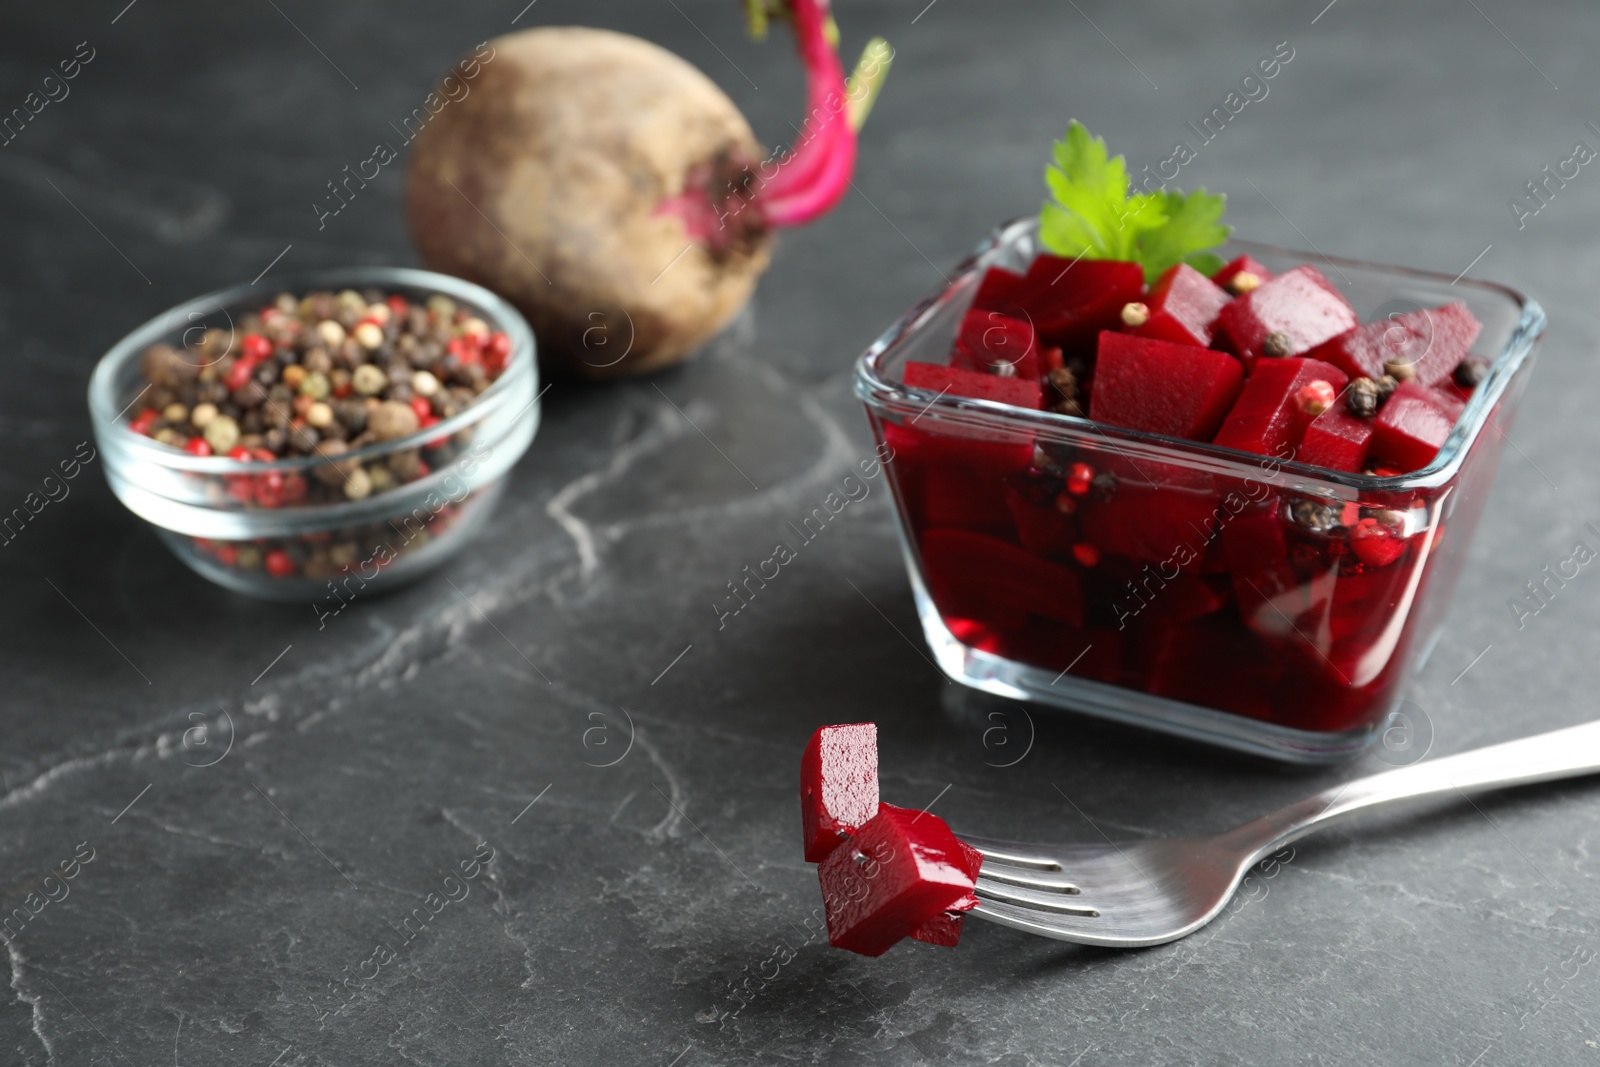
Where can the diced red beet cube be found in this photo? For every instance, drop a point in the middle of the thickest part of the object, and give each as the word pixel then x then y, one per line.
pixel 1071 302
pixel 953 381
pixel 1375 544
pixel 1183 305
pixel 954 476
pixel 900 870
pixel 838 785
pixel 972 575
pixel 1266 419
pixel 1276 598
pixel 1183 598
pixel 1432 341
pixel 1300 304
pixel 1336 439
pixel 1244 263
pixel 992 339
pixel 1158 513
pixel 1041 526
pixel 1412 425
pixel 1181 662
pixel 1000 290
pixel 1161 387
pixel 945 928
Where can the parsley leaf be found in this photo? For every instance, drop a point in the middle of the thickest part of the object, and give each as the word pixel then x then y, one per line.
pixel 1091 214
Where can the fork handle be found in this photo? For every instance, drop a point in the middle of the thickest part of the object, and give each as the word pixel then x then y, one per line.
pixel 1543 757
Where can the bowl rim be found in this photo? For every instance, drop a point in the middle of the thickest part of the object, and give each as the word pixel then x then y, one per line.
pixel 109 421
pixel 880 393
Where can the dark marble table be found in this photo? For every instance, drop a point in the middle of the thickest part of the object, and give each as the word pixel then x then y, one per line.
pixel 228 912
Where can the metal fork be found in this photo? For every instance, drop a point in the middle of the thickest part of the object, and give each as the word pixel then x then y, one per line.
pixel 1138 893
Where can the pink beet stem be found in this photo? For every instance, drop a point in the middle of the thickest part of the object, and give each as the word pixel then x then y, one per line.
pixel 813 177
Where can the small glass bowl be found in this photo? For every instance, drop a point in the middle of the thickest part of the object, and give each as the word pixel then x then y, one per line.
pixel 1252 602
pixel 227 518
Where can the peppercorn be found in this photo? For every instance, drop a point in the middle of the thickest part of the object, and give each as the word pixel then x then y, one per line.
pixel 303 438
pixel 407 465
pixel 293 375
pixel 250 395
pixel 368 380
pixel 393 419
pixel 331 473
pixel 175 412
pixel 1315 516
pixel 1470 372
pixel 1400 370
pixel 1361 399
pixel 319 415
pixel 1135 314
pixel 1064 382
pixel 1068 407
pixel 1079 478
pixel 249 557
pixel 368 335
pixel 1276 345
pixel 1315 397
pixel 441 308
pixel 1386 387
pixel 331 332
pixel 315 385
pixel 1245 281
pixel 317 359
pixel 424 384
pixel 353 414
pixel 382 478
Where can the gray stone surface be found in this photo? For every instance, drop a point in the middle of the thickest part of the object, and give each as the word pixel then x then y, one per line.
pixel 620 911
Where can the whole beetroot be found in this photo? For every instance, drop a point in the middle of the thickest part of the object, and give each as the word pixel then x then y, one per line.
pixel 615 194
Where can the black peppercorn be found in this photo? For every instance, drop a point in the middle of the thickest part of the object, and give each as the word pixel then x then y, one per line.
pixel 304 438
pixel 1470 372
pixel 1361 399
pixel 1276 345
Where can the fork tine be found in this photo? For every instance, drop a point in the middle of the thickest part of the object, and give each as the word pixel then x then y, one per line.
pixel 1053 901
pixel 1083 931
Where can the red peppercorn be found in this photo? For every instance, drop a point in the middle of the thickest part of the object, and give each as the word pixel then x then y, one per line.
pixel 239 374
pixel 465 349
pixel 1086 554
pixel 1314 398
pixel 241 453
pixel 294 488
pixel 269 489
pixel 264 455
pixel 398 305
pixel 227 555
pixel 255 347
pixel 144 420
pixel 1079 479
pixel 278 563
pixel 196 446
pixel 424 410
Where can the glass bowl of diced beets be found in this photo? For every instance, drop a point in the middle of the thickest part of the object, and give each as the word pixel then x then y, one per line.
pixel 1231 508
pixel 342 517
